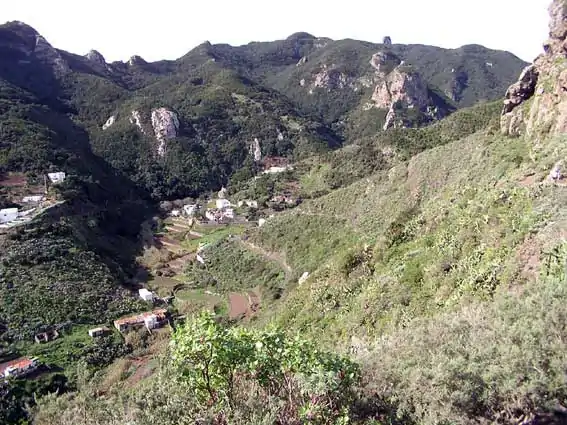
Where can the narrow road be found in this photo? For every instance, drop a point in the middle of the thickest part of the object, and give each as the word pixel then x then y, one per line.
pixel 272 256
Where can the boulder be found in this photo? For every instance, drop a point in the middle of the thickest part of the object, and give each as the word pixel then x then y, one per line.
pixel 109 122
pixel 522 90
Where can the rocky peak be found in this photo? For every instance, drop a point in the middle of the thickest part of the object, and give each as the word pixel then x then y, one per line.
pixel 96 57
pixel 401 90
pixel 20 37
pixel 166 125
pixel 136 60
pixel 384 62
pixel 537 102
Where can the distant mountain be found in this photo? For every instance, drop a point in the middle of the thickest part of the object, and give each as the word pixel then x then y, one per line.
pixel 179 128
pixel 337 79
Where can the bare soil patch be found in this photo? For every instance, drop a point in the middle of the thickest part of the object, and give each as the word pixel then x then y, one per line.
pixel 243 305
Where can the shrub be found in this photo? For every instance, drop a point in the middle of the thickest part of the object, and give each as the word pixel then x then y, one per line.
pixel 216 361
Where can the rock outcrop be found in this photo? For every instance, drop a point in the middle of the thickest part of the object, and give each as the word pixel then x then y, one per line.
pixel 166 125
pixel 255 150
pixel 537 103
pixel 330 78
pixel 136 60
pixel 109 122
pixel 48 53
pixel 384 62
pixel 136 118
pixel 403 89
pixel 96 57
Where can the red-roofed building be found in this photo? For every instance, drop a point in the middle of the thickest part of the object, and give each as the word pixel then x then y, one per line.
pixel 18 367
pixel 151 319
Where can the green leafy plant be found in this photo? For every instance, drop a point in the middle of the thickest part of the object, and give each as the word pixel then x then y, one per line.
pixel 216 361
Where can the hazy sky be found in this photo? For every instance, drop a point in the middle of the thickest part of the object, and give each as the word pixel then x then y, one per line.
pixel 167 29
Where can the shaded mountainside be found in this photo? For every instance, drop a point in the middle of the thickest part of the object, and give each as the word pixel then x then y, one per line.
pixel 69 265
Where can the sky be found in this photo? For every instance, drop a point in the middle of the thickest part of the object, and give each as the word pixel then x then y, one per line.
pixel 167 29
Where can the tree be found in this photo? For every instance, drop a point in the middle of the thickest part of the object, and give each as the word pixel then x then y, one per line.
pixel 223 364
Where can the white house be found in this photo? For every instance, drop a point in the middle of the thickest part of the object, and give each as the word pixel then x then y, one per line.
pixel 95 332
pixel 56 177
pixel 175 213
pixel 146 295
pixel 228 213
pixel 223 203
pixel 8 214
pixel 276 170
pixel 200 259
pixel 189 209
pixel 32 198
pixel 261 222
pixel 249 203
pixel 19 367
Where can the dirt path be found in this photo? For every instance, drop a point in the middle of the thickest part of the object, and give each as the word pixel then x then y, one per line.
pixel 272 256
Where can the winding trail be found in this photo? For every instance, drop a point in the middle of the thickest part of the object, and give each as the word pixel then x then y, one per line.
pixel 271 256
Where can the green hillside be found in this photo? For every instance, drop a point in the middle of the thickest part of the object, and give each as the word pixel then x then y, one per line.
pixel 416 276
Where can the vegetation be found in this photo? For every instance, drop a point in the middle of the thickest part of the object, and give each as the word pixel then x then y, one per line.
pixel 232 265
pixel 228 375
pixel 430 254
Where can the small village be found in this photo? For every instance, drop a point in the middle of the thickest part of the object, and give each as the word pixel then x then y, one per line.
pixel 34 203
pixel 181 221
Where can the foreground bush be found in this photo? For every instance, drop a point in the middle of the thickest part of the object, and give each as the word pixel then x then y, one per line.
pixel 223 364
pixel 222 375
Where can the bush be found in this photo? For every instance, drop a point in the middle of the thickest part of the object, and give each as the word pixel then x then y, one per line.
pixel 216 361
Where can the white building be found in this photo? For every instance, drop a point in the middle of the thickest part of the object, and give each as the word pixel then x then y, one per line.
pixel 32 198
pixel 211 215
pixel 93 333
pixel 261 222
pixel 8 214
pixel 276 170
pixel 56 177
pixel 190 209
pixel 200 259
pixel 146 295
pixel 153 321
pixel 20 367
pixel 248 203
pixel 223 203
pixel 228 213
pixel 175 213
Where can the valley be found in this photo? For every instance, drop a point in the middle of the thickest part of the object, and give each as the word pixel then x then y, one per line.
pixel 303 231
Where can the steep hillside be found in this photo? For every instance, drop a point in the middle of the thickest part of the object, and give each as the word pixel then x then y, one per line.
pixel 432 255
pixel 439 269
